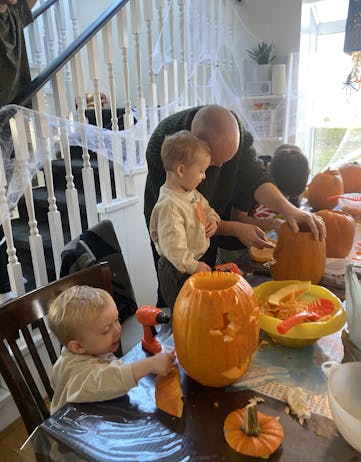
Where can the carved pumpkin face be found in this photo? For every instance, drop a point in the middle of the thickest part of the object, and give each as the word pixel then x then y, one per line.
pixel 323 185
pixel 216 327
pixel 298 255
pixel 340 229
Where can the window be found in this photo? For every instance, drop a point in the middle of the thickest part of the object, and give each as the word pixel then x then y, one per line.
pixel 329 116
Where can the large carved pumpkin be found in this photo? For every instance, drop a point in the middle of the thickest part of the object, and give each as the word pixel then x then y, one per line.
pixel 216 327
pixel 340 229
pixel 351 176
pixel 298 255
pixel 323 185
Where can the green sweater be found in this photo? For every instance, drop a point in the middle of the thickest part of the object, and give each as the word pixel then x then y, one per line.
pixel 15 71
pixel 232 184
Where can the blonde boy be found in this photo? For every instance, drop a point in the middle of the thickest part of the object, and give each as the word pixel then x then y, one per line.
pixel 182 220
pixel 85 321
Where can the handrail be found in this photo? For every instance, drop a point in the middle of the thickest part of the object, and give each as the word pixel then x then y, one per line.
pixel 27 92
pixel 42 8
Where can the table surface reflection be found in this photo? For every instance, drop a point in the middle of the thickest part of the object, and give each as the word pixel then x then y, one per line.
pixel 131 428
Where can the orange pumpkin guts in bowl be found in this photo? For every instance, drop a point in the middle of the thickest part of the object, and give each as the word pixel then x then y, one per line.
pixel 298 255
pixel 215 327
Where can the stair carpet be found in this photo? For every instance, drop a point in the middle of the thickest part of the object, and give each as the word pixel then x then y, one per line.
pixel 20 226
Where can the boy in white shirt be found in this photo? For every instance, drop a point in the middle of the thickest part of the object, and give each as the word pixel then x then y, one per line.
pixel 85 321
pixel 182 220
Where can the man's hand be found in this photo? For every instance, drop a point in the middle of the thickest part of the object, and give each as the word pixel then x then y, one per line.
pixel 314 222
pixel 251 235
pixel 211 228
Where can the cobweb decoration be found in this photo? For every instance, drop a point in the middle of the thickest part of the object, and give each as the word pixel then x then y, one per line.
pixel 43 141
pixel 215 49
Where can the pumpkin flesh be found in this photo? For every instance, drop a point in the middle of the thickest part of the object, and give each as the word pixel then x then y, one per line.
pixel 215 327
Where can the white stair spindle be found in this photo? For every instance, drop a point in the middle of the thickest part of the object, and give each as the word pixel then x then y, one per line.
pixel 163 94
pixel 14 266
pixel 71 194
pixel 173 65
pixel 135 20
pixel 103 161
pixel 128 116
pixel 119 180
pixel 54 216
pixel 35 239
pixel 87 170
pixel 35 45
pixel 183 73
pixel 153 118
pixel 48 37
pixel 74 16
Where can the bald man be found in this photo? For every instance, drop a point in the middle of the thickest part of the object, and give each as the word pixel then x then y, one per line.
pixel 233 181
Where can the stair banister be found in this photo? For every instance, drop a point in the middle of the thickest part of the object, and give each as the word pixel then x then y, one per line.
pixel 29 91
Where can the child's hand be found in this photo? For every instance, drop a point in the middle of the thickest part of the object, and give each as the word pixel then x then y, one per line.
pixel 163 363
pixel 202 267
pixel 211 228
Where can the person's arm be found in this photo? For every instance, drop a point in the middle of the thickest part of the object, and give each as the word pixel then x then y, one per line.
pixel 161 364
pixel 249 235
pixel 268 195
pixel 266 224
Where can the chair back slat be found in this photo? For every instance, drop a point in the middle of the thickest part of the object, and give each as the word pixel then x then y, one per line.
pixel 37 362
pixel 25 314
pixel 30 382
pixel 20 392
pixel 47 341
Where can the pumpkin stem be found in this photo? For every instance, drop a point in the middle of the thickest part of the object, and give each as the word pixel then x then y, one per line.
pixel 250 424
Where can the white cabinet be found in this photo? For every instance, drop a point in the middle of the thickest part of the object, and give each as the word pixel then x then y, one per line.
pixel 266 116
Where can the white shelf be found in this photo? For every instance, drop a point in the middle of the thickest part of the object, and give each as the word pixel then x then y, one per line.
pixel 263 98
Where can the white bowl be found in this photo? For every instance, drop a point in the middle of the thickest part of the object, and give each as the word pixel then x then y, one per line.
pixel 344 397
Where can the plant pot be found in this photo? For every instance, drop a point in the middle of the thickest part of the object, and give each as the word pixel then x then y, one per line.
pixel 263 72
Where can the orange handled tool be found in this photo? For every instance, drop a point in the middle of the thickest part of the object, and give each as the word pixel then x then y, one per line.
pixel 150 316
pixel 314 311
pixel 229 267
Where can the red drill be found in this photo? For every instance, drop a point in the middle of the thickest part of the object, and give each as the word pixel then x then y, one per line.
pixel 150 316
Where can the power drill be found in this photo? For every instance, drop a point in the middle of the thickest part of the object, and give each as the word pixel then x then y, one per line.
pixel 150 316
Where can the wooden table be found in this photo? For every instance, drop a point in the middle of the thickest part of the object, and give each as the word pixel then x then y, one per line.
pixel 131 428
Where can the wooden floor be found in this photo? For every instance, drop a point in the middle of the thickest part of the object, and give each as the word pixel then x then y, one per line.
pixel 11 439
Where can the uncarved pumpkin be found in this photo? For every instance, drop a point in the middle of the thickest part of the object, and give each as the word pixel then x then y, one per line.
pixel 253 433
pixel 340 229
pixel 298 255
pixel 215 327
pixel 351 176
pixel 323 185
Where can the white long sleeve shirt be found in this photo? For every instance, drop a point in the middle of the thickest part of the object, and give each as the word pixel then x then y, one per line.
pixel 80 378
pixel 177 227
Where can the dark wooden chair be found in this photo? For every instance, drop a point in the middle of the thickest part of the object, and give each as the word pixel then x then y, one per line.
pixel 25 314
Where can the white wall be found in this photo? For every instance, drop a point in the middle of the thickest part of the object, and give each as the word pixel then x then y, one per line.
pixel 276 21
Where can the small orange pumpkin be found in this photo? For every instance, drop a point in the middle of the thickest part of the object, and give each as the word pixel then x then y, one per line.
pixel 323 185
pixel 340 229
pixel 351 176
pixel 253 433
pixel 215 327
pixel 298 255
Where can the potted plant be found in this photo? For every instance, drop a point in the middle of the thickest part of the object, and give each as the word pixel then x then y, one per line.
pixel 263 56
